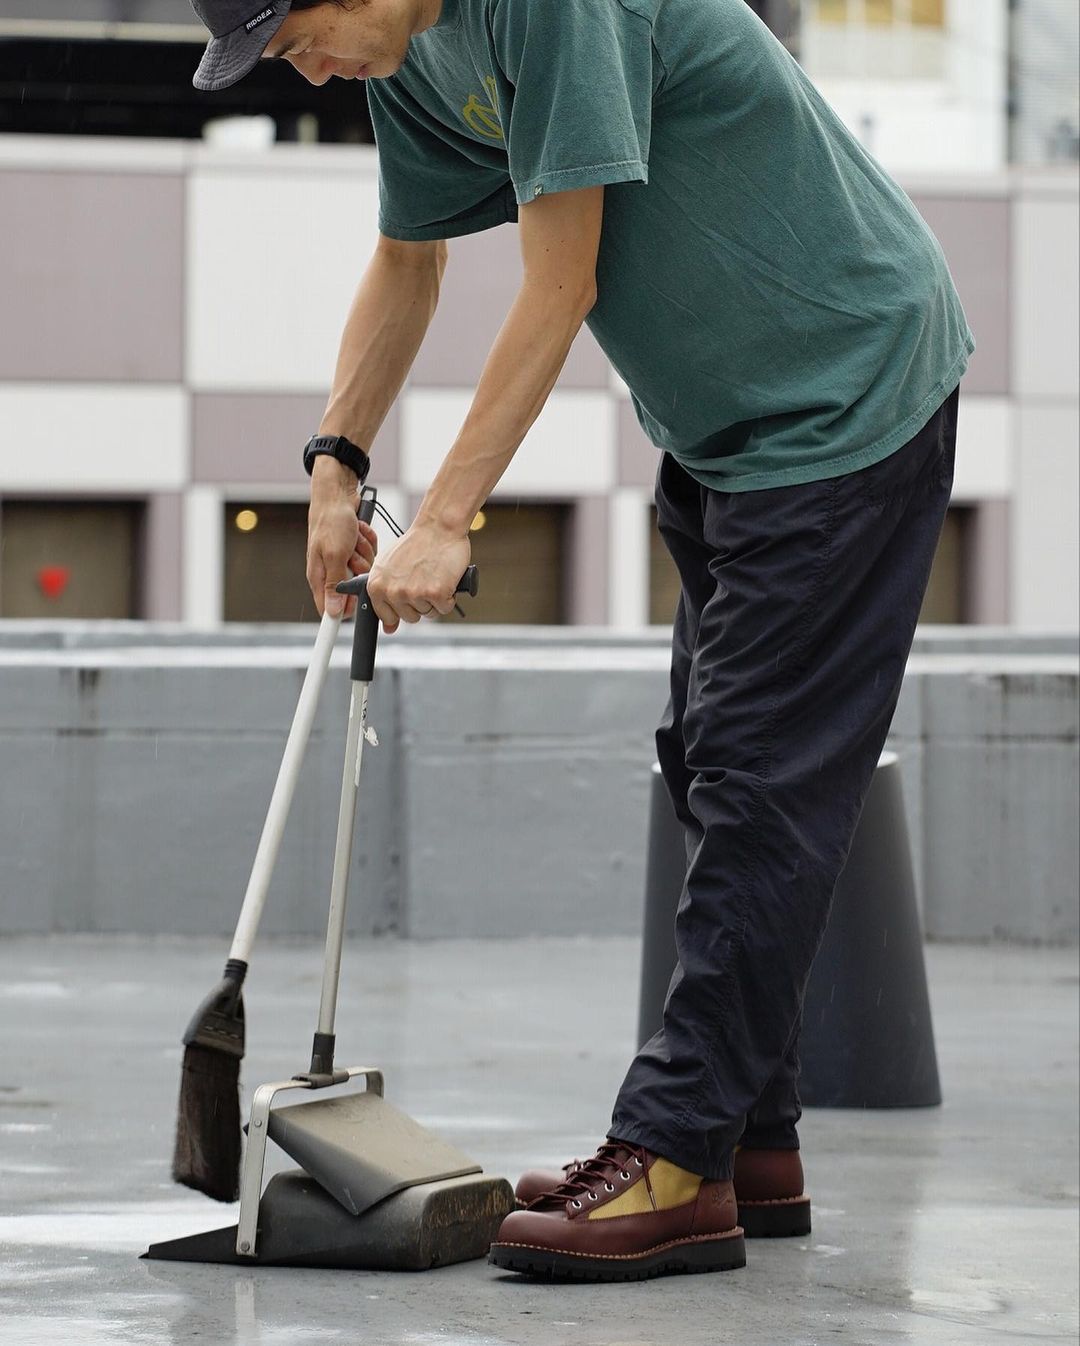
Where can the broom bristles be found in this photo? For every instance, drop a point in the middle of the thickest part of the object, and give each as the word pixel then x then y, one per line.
pixel 207 1153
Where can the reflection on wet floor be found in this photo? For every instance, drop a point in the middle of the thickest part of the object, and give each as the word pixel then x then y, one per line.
pixel 951 1226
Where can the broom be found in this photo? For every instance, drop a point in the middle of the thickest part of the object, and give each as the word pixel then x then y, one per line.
pixel 207 1151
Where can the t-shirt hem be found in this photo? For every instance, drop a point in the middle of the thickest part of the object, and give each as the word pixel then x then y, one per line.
pixel 422 233
pixel 851 462
pixel 573 179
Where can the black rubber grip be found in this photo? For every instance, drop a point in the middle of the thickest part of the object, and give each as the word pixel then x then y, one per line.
pixel 468 584
pixel 366 626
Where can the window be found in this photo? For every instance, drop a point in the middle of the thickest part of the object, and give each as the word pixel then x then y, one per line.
pixel 882 39
pixel 69 558
pixel 664 582
pixel 265 563
pixel 521 551
pixel 947 593
pixel 72 76
pixel 925 13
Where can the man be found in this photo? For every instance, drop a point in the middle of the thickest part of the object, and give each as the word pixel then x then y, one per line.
pixel 793 344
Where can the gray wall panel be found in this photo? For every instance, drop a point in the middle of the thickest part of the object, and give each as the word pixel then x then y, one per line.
pixel 545 776
pixel 508 794
pixel 91 274
pixel 974 233
pixel 140 807
pixel 479 286
pixel 1046 281
pixel 1001 858
pixel 258 437
pixel 162 597
pixel 638 458
pixel 1001 784
pixel 587 571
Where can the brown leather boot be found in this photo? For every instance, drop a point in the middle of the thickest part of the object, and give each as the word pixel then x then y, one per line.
pixel 768 1189
pixel 624 1215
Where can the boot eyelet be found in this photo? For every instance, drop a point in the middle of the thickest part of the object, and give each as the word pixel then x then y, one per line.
pixel 576 1205
pixel 638 1162
pixel 609 1187
pixel 625 1177
pixel 593 1196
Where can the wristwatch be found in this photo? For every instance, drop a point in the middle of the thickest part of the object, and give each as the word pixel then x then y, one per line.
pixel 337 446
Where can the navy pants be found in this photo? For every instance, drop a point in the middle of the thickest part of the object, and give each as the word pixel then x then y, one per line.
pixel 796 617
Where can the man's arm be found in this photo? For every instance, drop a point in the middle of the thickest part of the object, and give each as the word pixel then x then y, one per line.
pixel 390 314
pixel 560 238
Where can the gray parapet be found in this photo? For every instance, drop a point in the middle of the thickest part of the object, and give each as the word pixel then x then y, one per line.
pixel 508 794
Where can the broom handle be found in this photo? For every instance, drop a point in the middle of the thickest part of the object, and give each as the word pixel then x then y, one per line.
pixel 284 789
pixel 289 771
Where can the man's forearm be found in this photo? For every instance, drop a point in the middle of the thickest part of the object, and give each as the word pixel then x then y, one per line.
pixel 390 314
pixel 521 370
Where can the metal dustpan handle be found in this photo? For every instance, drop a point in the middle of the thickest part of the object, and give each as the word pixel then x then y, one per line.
pixel 361 673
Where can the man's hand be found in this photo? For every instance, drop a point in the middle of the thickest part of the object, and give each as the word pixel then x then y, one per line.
pixel 417 575
pixel 339 545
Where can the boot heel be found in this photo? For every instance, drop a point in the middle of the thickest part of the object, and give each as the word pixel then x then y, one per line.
pixel 775 1219
pixel 724 1254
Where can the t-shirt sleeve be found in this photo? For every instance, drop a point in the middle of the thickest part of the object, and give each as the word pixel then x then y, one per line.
pixel 433 182
pixel 583 74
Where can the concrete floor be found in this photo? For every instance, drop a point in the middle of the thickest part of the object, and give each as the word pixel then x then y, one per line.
pixel 954 1225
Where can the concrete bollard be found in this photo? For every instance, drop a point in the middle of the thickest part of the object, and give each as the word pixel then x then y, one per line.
pixel 867 1039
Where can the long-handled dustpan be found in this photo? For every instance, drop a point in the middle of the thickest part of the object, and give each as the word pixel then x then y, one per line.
pixel 375 1190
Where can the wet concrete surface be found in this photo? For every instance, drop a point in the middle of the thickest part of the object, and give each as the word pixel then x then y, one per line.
pixel 954 1225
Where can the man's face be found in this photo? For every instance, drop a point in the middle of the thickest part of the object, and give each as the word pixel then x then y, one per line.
pixel 365 40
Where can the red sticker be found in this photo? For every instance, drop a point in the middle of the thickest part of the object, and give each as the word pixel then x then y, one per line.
pixel 53 580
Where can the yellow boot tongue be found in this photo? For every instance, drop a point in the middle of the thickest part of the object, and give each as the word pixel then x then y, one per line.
pixel 663 1187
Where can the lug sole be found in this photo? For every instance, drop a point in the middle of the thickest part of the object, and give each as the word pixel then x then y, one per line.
pixel 787 1217
pixel 680 1257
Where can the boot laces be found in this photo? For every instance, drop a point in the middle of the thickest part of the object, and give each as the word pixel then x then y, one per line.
pixel 613 1164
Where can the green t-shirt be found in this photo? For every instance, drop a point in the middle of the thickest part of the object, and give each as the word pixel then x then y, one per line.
pixel 773 300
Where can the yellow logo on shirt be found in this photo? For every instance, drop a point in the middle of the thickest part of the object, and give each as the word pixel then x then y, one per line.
pixel 483 118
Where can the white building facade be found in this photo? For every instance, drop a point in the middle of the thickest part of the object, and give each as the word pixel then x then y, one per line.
pixel 171 314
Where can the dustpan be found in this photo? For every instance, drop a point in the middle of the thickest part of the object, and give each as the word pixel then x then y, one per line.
pixel 375 1190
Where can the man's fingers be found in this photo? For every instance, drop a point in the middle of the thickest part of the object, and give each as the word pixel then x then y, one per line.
pixel 393 611
pixel 334 602
pixel 383 610
pixel 316 578
pixel 369 536
pixel 334 572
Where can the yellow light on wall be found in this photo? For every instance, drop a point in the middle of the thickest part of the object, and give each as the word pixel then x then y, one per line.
pixel 246 520
pixel 478 522
pixel 930 13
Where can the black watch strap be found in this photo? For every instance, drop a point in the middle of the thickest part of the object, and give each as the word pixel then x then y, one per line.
pixel 337 446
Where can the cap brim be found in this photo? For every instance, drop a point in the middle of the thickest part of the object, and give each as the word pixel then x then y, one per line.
pixel 228 59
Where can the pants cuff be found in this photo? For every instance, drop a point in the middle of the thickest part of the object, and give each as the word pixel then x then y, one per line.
pixel 780 1137
pixel 693 1160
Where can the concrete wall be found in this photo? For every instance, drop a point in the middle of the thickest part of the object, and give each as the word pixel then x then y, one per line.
pixel 137 309
pixel 508 794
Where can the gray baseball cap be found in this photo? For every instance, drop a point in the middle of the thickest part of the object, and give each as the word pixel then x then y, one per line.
pixel 240 29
